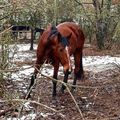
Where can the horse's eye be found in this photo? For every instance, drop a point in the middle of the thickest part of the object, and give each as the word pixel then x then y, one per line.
pixel 60 49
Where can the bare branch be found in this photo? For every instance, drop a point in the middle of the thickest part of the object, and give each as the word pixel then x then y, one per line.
pixel 7 110
pixel 85 11
pixel 6 30
pixel 68 91
pixel 40 104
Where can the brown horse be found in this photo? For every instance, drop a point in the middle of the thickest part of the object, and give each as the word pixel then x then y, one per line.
pixel 57 44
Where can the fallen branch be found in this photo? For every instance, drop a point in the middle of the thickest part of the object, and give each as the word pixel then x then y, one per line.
pixel 5 111
pixel 6 30
pixel 77 86
pixel 9 70
pixel 23 100
pixel 117 65
pixel 79 110
pixel 14 69
pixel 69 93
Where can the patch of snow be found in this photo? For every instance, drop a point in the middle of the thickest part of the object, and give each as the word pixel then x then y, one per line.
pixel 23 56
pixel 30 116
pixel 47 71
pixel 27 70
pixel 100 63
pixel 90 63
pixel 21 52
pixel 27 106
pixel 24 71
pixel 25 47
pixel 45 115
pixel 27 117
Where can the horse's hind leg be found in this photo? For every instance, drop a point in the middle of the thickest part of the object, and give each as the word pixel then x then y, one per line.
pixel 78 71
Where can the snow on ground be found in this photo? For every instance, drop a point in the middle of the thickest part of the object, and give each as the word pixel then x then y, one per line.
pixel 23 47
pixel 90 63
pixel 95 64
pixel 27 117
pixel 100 63
pixel 31 116
pixel 22 52
pixel 23 72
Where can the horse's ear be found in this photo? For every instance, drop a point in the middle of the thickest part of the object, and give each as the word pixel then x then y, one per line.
pixel 69 36
pixel 42 30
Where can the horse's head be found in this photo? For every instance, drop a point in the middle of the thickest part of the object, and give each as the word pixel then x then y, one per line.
pixel 60 47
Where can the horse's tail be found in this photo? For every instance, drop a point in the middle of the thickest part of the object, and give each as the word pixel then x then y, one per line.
pixel 81 37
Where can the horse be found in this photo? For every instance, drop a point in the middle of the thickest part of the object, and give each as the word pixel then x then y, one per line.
pixel 57 44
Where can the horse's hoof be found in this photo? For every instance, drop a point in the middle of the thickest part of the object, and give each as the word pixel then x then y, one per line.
pixel 62 89
pixel 28 97
pixel 53 98
pixel 54 101
pixel 72 90
pixel 82 77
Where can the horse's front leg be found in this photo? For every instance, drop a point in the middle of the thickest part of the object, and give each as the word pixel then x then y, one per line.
pixel 66 73
pixel 55 74
pixel 67 70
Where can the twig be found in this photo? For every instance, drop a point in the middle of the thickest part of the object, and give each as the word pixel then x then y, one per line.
pixel 117 65
pixel 15 70
pixel 34 82
pixel 77 86
pixel 8 5
pixel 68 91
pixel 23 100
pixel 79 110
pixel 81 4
pixel 6 30
pixel 9 70
pixel 28 93
pixel 7 110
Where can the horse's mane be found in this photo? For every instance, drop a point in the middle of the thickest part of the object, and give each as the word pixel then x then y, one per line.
pixel 54 32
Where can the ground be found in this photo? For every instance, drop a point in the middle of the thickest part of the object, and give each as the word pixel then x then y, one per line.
pixel 98 96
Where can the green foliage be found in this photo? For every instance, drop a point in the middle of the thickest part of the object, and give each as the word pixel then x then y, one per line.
pixel 39 13
pixel 5 41
pixel 116 36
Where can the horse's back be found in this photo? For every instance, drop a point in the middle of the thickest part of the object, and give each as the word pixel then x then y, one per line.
pixel 67 28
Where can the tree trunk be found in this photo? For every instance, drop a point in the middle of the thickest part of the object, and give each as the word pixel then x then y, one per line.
pixel 32 39
pixel 101 33
pixel 100 25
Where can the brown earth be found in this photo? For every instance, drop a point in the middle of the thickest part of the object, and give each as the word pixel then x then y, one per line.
pixel 98 96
